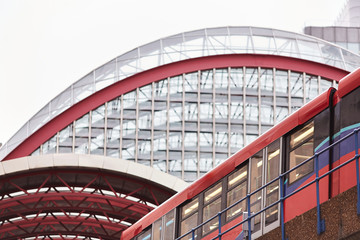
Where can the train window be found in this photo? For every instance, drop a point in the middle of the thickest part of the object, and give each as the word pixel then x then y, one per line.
pixel 145 235
pixel 157 229
pixel 212 205
pixel 272 172
pixel 237 189
pixel 301 148
pixel 169 225
pixel 189 216
pixel 255 183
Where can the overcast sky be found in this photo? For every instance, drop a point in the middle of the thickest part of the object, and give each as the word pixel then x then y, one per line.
pixel 46 45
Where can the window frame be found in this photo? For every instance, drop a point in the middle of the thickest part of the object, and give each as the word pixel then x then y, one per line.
pixel 290 149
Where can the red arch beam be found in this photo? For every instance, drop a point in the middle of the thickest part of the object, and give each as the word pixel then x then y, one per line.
pixel 220 61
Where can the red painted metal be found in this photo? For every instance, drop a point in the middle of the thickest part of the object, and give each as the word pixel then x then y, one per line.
pixel 220 61
pixel 81 202
pixel 349 83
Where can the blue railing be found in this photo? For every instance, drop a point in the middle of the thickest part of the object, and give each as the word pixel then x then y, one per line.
pixel 283 197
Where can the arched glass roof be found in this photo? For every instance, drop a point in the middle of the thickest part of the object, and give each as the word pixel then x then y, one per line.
pixel 199 43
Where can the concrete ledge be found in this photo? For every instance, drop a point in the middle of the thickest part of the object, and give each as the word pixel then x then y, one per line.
pixel 20 164
pixel 95 162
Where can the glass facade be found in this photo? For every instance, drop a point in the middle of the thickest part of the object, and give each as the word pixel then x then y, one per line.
pixel 185 125
pixel 194 44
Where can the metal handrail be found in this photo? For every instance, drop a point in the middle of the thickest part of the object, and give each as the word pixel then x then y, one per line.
pixel 320 222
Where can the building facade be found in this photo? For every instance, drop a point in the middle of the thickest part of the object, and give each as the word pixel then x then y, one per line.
pixel 158 116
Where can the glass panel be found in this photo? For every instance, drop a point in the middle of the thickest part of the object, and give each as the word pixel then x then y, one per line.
pixel 169 228
pixel 299 155
pixel 301 135
pixel 237 140
pixel 189 208
pixel 272 172
pixel 236 79
pixel 221 79
pixel 311 87
pixel 267 81
pixel 176 88
pixel 161 89
pixel 281 80
pixel 66 139
pixel 324 85
pixel 113 128
pixel 252 109
pixel 296 81
pixel 209 211
pixel 255 183
pixel 237 182
pixel 188 224
pixel 145 236
pixel 251 80
pixel 36 152
pixel 237 177
pixel 157 229
pixel 97 130
pixel 206 81
pixel 213 193
pixel 82 135
pixel 303 142
pixel 233 196
pixel 50 145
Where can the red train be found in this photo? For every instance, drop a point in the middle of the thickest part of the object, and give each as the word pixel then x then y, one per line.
pixel 290 144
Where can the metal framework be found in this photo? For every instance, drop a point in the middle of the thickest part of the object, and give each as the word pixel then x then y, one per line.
pixel 67 203
pixel 183 46
pixel 187 124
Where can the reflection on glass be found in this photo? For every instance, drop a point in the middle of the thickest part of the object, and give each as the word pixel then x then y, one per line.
pixel 97 131
pixel 255 183
pixel 302 145
pixel 66 139
pixel 157 230
pixel 145 236
pixel 213 193
pixel 188 224
pixel 272 172
pixel 209 211
pixel 169 228
pixel 50 146
pixel 82 135
pixel 233 196
pixel 189 208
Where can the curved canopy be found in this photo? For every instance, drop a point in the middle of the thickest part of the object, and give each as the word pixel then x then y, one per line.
pixel 78 195
pixel 200 43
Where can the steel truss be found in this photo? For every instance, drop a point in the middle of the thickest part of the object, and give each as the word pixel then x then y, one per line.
pixel 74 203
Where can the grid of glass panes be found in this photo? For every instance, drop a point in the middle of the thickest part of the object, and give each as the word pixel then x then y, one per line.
pixel 185 125
pixel 194 44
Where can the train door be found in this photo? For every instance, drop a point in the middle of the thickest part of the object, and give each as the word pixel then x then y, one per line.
pixel 264 167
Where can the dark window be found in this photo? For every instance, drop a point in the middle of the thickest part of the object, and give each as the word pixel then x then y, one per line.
pixel 350 109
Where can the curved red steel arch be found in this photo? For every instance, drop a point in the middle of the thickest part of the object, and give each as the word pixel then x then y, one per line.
pixel 81 201
pixel 219 61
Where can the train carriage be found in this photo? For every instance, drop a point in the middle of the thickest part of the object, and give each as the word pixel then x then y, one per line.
pixel 297 150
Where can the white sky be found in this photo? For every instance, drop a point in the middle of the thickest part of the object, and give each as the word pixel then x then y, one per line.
pixel 46 45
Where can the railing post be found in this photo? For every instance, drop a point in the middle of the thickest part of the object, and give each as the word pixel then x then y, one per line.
pixel 249 216
pixel 320 222
pixel 282 207
pixel 357 170
pixel 219 217
pixel 193 234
